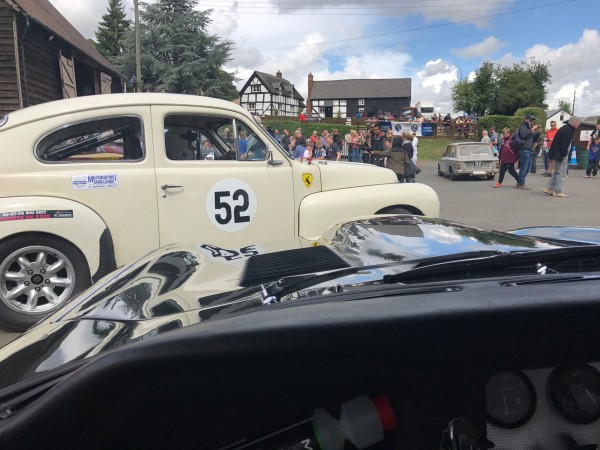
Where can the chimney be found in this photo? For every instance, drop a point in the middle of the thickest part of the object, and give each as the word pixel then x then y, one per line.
pixel 308 100
pixel 279 74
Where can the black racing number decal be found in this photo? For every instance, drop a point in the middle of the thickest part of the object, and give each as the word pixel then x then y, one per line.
pixel 219 204
pixel 222 203
pixel 229 254
pixel 218 252
pixel 238 210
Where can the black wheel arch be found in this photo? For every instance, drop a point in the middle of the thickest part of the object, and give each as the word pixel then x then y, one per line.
pixel 395 209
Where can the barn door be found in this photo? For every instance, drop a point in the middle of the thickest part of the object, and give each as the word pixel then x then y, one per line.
pixel 67 77
pixel 105 83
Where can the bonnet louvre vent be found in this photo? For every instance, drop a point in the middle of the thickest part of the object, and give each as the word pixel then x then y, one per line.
pixel 272 266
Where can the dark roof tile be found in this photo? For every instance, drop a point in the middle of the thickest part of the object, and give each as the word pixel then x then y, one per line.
pixel 377 88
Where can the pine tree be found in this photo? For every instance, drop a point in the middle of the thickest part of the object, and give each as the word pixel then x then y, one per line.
pixel 178 54
pixel 111 30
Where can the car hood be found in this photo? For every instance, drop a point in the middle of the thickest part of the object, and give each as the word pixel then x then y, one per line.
pixel 183 285
pixel 340 175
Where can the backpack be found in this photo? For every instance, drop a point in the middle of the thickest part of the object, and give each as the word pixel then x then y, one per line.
pixel 517 142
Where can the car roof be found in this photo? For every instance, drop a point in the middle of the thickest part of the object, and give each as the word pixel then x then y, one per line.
pixel 73 105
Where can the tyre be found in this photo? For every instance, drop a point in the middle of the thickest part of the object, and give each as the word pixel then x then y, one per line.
pixel 38 275
pixel 452 175
pixel 440 173
pixel 396 210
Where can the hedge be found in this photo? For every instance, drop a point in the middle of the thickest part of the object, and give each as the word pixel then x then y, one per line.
pixel 307 127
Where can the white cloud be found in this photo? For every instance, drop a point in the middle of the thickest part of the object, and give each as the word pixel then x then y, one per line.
pixel 484 49
pixel 573 68
pixel 334 47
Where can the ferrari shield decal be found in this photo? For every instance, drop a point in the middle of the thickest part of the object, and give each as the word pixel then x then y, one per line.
pixel 308 179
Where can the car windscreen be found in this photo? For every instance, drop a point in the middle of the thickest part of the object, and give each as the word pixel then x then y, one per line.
pixel 475 150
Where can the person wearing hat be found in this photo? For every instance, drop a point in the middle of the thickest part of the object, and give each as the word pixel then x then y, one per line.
pixel 594 157
pixel 559 152
pixel 397 157
pixel 528 134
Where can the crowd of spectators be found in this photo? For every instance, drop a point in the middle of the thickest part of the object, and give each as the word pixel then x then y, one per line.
pixel 371 146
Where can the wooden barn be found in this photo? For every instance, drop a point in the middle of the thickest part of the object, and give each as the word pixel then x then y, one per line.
pixel 44 58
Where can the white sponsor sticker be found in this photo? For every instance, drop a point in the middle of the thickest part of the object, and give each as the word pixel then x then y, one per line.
pixel 104 181
pixel 231 205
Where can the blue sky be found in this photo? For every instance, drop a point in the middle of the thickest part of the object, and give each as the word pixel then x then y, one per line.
pixel 434 42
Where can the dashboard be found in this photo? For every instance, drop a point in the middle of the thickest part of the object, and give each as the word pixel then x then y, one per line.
pixel 460 365
pixel 545 408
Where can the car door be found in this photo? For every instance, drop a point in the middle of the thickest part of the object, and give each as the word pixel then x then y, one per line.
pixel 215 181
pixel 444 160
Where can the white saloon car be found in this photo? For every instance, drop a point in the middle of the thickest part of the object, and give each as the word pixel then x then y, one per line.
pixel 90 184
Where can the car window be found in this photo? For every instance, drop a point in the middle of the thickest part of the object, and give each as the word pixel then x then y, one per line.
pixel 250 146
pixel 208 138
pixel 475 150
pixel 109 139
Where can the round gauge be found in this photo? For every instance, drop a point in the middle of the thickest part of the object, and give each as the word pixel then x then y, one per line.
pixel 575 392
pixel 510 399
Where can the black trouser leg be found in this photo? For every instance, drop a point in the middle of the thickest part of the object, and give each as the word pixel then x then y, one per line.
pixel 513 172
pixel 503 168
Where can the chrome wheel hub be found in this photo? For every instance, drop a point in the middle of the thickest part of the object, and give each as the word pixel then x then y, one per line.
pixel 36 279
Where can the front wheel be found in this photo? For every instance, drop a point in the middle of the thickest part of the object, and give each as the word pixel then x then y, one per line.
pixel 38 275
pixel 452 174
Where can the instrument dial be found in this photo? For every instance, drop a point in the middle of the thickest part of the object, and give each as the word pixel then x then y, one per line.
pixel 575 392
pixel 510 399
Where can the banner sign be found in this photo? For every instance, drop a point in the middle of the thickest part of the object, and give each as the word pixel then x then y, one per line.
pixel 412 127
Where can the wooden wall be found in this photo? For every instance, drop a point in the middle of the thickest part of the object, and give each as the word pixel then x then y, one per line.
pixel 39 67
pixel 9 90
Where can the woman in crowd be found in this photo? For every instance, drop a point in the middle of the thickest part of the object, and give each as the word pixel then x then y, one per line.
pixel 508 157
pixel 354 147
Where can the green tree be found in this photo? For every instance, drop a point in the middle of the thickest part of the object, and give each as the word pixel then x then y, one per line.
pixel 565 106
pixel 463 96
pixel 178 55
pixel 502 90
pixel 111 30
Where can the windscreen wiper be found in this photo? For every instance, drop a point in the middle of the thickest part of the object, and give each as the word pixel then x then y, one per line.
pixel 529 262
pixel 284 286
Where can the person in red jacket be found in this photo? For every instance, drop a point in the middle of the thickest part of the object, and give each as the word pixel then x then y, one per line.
pixel 550 133
pixel 508 157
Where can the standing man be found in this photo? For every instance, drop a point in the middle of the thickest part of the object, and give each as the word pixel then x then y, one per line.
pixel 377 141
pixel 415 143
pixel 559 150
pixel 528 134
pixel 550 137
pixel 494 141
pixel 593 135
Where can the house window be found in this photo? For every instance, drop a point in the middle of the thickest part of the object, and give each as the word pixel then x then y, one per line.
pixel 361 102
pixel 336 102
pixel 343 102
pixel 361 110
pixel 562 117
pixel 321 110
pixel 255 88
pixel 251 105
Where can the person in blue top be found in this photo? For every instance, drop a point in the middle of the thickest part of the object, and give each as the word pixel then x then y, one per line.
pixel 594 157
pixel 300 147
pixel 243 142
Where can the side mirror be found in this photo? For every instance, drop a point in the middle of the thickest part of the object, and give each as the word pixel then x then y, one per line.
pixel 274 162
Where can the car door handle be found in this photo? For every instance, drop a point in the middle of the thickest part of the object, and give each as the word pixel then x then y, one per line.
pixel 164 187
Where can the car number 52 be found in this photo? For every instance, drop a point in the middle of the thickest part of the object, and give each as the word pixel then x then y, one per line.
pixel 231 205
